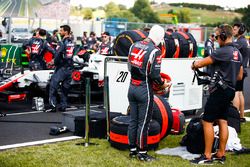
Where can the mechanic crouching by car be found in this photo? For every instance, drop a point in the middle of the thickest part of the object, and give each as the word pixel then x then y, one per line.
pixel 63 62
pixel 226 69
pixel 36 48
pixel 144 63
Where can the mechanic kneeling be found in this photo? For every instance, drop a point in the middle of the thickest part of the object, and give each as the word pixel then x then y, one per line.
pixel 64 66
pixel 226 67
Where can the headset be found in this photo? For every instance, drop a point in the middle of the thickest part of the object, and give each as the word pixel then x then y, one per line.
pixel 242 28
pixel 223 35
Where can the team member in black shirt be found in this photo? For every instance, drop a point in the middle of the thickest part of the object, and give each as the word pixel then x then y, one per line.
pixel 106 45
pixel 242 45
pixel 209 48
pixel 226 69
pixel 209 45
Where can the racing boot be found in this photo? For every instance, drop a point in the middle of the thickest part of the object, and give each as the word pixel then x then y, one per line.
pixel 143 156
pixel 133 152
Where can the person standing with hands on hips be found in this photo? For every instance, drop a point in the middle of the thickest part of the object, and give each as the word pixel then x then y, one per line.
pixel 226 69
pixel 144 63
pixel 63 62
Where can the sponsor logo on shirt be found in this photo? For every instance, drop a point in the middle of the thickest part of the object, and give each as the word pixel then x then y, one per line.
pixel 35 47
pixel 236 55
pixel 137 57
pixel 104 50
pixel 69 52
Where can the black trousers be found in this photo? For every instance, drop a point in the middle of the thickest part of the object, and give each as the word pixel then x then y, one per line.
pixel 62 75
pixel 141 105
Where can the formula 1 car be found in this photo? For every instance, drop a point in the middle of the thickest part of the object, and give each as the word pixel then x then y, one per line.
pixel 36 83
pixel 17 87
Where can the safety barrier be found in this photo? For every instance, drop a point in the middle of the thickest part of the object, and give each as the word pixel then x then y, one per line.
pixel 184 94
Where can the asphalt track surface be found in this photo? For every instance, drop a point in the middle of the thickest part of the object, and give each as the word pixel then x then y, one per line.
pixel 24 125
pixel 13 9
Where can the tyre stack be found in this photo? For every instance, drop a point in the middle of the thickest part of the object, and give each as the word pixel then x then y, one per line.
pixel 159 128
pixel 180 45
pixel 177 44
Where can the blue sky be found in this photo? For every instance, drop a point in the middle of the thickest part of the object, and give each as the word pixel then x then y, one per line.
pixel 129 3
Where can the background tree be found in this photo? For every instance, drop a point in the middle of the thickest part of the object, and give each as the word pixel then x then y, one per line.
pixel 119 11
pixel 246 17
pixel 129 15
pixel 144 12
pixel 112 10
pixel 184 16
pixel 122 7
pixel 236 20
pixel 87 13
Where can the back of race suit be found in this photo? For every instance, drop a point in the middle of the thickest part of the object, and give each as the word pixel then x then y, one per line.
pixel 144 63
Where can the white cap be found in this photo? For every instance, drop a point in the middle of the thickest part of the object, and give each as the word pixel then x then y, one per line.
pixel 156 33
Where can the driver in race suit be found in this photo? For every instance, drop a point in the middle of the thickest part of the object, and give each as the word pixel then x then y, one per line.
pixel 144 63
pixel 64 66
pixel 37 46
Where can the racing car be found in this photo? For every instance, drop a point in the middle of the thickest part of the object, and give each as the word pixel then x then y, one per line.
pixel 27 84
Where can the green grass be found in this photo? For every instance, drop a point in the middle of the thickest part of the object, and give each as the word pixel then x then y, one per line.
pixel 202 16
pixel 69 154
pixel 247 114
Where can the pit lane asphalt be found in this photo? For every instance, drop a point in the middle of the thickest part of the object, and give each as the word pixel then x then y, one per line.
pixel 22 125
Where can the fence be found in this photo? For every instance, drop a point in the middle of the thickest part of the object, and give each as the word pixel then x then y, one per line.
pixel 79 25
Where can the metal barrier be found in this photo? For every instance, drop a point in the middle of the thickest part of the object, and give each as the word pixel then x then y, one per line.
pixel 106 103
pixel 87 111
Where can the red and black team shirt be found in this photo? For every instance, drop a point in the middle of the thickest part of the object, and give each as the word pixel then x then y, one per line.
pixel 144 61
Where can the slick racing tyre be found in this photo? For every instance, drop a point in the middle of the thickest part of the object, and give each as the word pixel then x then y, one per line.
pixel 180 45
pixel 162 113
pixel 125 39
pixel 119 133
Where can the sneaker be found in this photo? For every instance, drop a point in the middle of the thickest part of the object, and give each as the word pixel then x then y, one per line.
pixel 242 120
pixel 133 152
pixel 202 160
pixel 50 110
pixel 145 157
pixel 219 159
